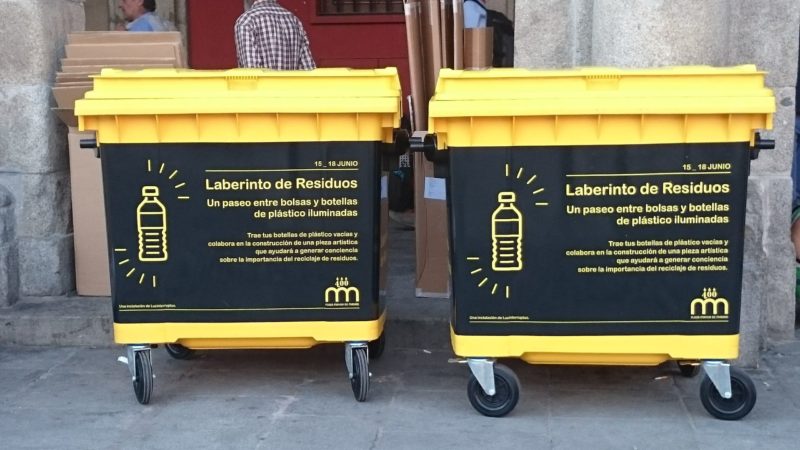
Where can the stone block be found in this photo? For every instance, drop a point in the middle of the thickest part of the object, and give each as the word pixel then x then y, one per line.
pixel 543 35
pixel 647 33
pixel 764 32
pixel 166 9
pixel 752 320
pixel 779 160
pixel 97 15
pixel 43 203
pixel 46 266
pixel 7 219
pixel 9 274
pixel 33 36
pixel 582 21
pixel 32 139
pixel 779 273
pixel 180 17
pixel 58 321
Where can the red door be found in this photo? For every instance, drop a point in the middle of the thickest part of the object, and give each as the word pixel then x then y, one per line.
pixel 356 38
pixel 210 31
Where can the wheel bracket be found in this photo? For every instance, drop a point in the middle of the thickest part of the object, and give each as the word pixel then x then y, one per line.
pixel 483 370
pixel 349 347
pixel 131 359
pixel 719 372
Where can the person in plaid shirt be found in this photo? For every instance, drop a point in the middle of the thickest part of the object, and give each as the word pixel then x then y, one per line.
pixel 269 36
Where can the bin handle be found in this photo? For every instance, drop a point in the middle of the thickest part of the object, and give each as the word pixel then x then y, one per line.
pixel 423 142
pixel 761 144
pixel 401 143
pixel 90 144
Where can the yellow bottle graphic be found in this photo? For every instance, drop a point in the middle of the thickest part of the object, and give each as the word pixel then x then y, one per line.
pixel 151 224
pixel 506 235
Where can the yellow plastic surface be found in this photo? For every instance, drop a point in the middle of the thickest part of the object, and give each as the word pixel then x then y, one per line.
pixel 598 350
pixel 599 106
pixel 241 105
pixel 233 335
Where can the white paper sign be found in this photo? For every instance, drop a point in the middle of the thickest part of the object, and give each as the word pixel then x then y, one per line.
pixel 435 188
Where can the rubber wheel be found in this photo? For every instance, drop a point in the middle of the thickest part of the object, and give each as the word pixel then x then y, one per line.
pixel 360 380
pixel 143 383
pixel 734 408
pixel 178 351
pixel 688 370
pixel 377 346
pixel 506 385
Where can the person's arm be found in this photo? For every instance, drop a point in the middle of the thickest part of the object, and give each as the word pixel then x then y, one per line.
pixel 141 24
pixel 306 59
pixel 248 52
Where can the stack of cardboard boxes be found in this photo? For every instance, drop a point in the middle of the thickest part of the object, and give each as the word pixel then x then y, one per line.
pixel 87 53
pixel 436 39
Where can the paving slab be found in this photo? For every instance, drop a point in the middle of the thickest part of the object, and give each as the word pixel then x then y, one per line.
pixel 79 397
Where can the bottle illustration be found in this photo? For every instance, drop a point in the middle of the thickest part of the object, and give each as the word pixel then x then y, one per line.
pixel 506 234
pixel 151 225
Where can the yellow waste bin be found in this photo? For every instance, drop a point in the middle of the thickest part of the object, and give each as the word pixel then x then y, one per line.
pixel 245 209
pixel 608 223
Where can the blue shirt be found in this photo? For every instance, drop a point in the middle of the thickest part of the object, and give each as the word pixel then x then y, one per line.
pixel 149 22
pixel 474 14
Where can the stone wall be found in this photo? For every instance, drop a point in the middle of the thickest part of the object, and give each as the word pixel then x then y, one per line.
pixel 646 33
pixel 36 255
pixel 97 14
pixel 9 262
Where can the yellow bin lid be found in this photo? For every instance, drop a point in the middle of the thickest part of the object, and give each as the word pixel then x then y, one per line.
pixel 599 106
pixel 242 105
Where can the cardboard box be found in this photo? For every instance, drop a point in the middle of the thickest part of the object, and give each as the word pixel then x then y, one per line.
pixel 67 115
pixel 431 44
pixel 88 218
pixel 446 28
pixel 419 100
pixel 458 34
pixel 97 68
pixel 433 255
pixel 161 50
pixel 117 38
pixel 66 95
pixel 122 37
pixel 425 34
pixel 478 48
pixel 64 77
pixel 117 62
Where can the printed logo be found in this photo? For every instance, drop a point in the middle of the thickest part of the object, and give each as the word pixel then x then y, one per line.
pixel 151 226
pixel 139 262
pixel 709 306
pixel 502 259
pixel 342 294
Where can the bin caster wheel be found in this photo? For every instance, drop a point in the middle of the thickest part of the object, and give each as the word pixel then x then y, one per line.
pixel 688 370
pixel 506 385
pixel 178 351
pixel 360 379
pixel 377 346
pixel 143 381
pixel 739 405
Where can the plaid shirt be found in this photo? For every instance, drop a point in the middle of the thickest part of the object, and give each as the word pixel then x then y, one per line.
pixel 269 36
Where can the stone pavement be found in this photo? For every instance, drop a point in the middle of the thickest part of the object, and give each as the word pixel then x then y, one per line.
pixel 81 398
